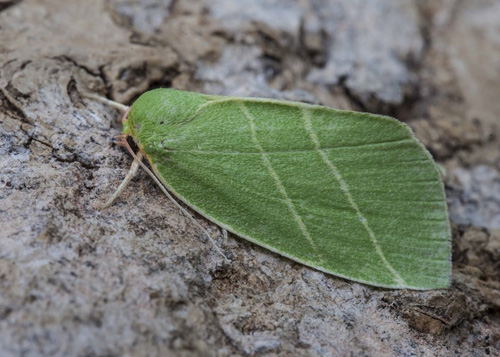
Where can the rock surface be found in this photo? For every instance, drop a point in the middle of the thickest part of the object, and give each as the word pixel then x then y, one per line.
pixel 138 279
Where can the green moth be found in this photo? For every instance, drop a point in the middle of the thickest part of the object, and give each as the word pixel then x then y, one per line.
pixel 350 194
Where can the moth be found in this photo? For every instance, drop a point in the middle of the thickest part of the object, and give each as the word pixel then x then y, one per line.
pixel 351 194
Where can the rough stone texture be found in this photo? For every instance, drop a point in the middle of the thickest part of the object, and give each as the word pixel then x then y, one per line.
pixel 138 279
pixel 474 196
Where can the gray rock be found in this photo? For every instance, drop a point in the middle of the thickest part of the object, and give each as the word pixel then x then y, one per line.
pixel 475 197
pixel 369 47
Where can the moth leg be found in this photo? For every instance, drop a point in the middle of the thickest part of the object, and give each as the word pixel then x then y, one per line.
pixel 131 173
pixel 224 237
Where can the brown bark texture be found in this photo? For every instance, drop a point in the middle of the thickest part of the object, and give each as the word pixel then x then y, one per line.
pixel 139 278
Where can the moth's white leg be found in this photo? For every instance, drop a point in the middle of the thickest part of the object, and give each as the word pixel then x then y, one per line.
pixel 224 237
pixel 131 173
pixel 105 101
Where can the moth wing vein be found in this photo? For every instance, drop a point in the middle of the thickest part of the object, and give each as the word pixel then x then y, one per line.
pixel 306 115
pixel 277 180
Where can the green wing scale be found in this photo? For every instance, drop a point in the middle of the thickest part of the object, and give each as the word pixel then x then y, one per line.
pixel 347 193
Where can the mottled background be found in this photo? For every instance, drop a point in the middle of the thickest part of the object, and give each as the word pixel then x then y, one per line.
pixel 139 279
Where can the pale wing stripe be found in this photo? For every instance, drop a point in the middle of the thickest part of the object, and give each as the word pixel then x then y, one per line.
pixel 275 176
pixel 306 115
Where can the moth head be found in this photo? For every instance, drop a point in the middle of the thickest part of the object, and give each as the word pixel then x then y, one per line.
pixel 126 129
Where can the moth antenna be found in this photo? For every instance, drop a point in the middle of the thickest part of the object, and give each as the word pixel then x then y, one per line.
pixel 131 173
pixel 107 101
pixel 171 198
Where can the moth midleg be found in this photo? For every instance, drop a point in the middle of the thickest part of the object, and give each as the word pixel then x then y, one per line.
pixel 225 237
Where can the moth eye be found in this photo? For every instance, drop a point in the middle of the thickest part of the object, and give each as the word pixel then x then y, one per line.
pixel 162 122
